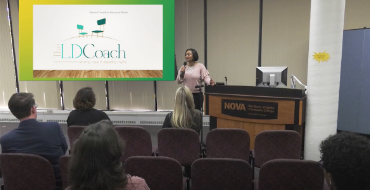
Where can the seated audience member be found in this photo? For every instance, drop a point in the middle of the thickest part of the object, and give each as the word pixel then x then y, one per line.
pixel 184 114
pixel 85 114
pixel 45 139
pixel 95 162
pixel 345 158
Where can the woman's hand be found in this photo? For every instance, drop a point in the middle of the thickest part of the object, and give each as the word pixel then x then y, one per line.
pixel 182 69
pixel 212 82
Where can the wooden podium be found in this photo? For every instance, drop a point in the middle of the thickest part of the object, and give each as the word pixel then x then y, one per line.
pixel 256 109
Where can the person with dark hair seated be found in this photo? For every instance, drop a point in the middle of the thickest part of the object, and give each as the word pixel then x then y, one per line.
pixel 45 139
pixel 95 161
pixel 85 114
pixel 345 158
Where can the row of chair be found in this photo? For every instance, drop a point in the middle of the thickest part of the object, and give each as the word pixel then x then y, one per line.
pixel 220 143
pixel 33 172
pixel 184 145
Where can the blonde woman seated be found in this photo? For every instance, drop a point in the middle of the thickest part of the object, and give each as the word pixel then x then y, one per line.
pixel 184 114
pixel 95 163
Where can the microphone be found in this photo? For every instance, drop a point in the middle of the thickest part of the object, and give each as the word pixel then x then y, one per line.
pixel 199 86
pixel 226 80
pixel 182 73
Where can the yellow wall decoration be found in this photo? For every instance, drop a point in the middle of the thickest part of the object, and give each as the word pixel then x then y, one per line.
pixel 321 56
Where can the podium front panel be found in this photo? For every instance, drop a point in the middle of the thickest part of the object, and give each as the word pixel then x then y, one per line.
pixel 253 110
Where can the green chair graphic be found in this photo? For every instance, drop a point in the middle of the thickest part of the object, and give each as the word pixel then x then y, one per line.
pixel 100 23
pixel 80 28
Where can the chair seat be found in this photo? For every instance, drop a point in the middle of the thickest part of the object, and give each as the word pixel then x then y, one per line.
pixel 97 31
pixel 83 33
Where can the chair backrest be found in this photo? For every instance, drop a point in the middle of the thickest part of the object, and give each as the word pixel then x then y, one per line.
pixel 74 132
pixel 63 165
pixel 290 174
pixel 228 143
pixel 270 145
pixel 181 144
pixel 137 141
pixel 26 171
pixel 101 21
pixel 220 174
pixel 80 27
pixel 160 173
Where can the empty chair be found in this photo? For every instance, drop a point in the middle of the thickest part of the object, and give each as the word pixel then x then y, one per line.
pixel 221 174
pixel 63 165
pixel 289 174
pixel 137 141
pixel 100 22
pixel 26 171
pixel 270 145
pixel 80 28
pixel 74 132
pixel 181 144
pixel 160 173
pixel 228 143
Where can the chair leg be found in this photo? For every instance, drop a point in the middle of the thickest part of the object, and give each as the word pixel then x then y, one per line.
pixel 188 184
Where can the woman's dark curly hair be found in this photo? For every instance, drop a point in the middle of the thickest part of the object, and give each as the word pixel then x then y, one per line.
pixel 84 99
pixel 194 52
pixel 95 162
pixel 346 156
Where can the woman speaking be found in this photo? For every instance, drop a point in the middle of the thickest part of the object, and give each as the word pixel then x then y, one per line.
pixel 192 74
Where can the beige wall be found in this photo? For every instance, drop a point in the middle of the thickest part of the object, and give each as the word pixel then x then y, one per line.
pixel 7 72
pixel 286 32
pixel 232 35
pixel 285 35
pixel 357 14
pixel 15 25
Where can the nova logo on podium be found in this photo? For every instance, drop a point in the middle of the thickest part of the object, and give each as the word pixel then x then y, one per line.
pixel 249 109
pixel 233 106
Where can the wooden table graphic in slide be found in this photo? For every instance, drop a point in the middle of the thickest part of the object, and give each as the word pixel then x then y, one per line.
pixel 97 73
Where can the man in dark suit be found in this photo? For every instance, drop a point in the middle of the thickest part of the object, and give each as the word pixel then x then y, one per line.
pixel 45 139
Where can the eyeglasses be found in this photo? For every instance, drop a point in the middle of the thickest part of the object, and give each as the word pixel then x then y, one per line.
pixel 36 106
pixel 321 164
